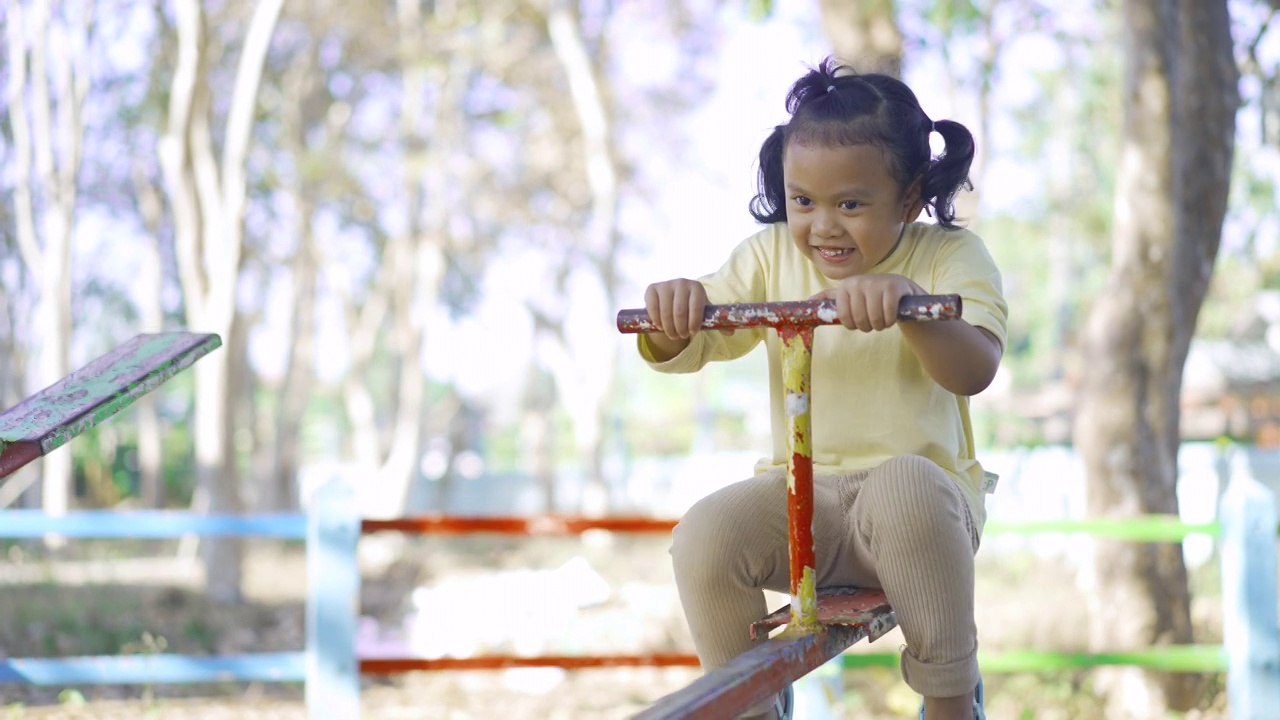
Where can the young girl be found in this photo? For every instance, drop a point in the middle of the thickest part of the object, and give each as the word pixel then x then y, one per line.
pixel 897 491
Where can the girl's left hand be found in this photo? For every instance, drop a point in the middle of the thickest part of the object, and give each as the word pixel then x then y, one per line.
pixel 869 302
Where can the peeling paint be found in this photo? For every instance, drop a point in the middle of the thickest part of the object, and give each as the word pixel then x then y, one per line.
pixel 89 396
pixel 754 676
pixel 797 358
pixel 803 313
pixel 797 403
pixel 804 603
pixel 866 608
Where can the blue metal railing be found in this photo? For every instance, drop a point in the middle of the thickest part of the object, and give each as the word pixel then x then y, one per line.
pixel 328 664
pixel 148 525
pixel 330 669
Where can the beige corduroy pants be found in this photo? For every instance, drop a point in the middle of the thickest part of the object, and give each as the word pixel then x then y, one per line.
pixel 902 526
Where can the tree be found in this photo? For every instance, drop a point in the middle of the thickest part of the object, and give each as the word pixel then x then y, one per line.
pixel 207 194
pixel 864 33
pixel 413 253
pixel 47 89
pixel 1180 98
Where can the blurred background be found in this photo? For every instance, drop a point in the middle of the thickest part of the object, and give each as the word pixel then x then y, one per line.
pixel 412 223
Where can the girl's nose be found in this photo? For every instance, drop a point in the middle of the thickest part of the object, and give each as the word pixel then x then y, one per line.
pixel 825 224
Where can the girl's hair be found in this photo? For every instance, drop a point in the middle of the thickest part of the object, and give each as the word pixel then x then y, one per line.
pixel 833 105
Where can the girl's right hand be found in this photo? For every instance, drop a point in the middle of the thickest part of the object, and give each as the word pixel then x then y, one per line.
pixel 676 307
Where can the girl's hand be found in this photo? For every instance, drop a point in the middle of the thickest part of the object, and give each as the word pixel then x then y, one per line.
pixel 676 307
pixel 869 302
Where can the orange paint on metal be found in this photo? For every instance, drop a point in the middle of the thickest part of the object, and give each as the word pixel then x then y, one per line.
pixel 515 525
pixel 797 357
pixel 800 528
pixel 395 666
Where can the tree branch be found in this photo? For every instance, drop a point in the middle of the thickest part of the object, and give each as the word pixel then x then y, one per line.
pixel 24 208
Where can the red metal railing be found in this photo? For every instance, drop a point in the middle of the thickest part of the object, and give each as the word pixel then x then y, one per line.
pixel 532 525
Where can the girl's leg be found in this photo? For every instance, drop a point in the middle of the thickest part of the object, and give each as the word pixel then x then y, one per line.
pixel 910 523
pixel 733 543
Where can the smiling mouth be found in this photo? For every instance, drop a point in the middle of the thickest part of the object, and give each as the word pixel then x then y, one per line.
pixel 834 254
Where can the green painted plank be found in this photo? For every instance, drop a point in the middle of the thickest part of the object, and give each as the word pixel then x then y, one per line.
pixel 87 397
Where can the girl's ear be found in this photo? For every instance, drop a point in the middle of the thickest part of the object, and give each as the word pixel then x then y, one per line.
pixel 912 204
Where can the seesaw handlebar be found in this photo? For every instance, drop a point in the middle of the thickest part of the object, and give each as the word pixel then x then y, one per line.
pixel 802 313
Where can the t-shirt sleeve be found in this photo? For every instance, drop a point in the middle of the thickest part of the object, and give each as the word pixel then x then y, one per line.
pixel 740 280
pixel 964 266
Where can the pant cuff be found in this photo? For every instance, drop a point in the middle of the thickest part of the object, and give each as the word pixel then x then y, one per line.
pixel 940 679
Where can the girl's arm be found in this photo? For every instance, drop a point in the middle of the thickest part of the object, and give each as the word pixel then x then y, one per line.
pixel 961 358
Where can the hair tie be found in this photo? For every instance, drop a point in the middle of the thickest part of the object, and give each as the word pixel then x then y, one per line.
pixel 831 88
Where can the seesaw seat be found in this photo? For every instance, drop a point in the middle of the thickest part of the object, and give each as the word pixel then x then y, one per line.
pixel 866 608
pixel 52 417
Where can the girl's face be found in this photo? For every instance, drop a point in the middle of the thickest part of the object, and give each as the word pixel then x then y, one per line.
pixel 844 209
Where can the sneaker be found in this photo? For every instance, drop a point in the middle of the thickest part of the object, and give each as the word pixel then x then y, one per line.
pixel 979 713
pixel 784 703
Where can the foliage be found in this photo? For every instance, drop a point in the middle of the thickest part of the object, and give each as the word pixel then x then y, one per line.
pixel 493 173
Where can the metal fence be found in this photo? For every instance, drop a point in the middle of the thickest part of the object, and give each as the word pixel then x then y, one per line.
pixel 330 669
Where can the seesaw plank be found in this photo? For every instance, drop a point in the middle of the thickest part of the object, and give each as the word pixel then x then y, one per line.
pixel 52 417
pixel 755 675
pixel 847 615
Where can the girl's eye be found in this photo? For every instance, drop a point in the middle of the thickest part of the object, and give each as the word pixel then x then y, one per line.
pixel 802 201
pixel 850 205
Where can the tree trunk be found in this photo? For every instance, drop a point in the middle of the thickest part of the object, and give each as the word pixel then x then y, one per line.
pixel 207 195
pixel 151 280
pixel 969 202
pixel 864 33
pixel 538 432
pixel 1172 183
pixel 295 391
pixel 412 268
pixel 585 372
pixel 47 141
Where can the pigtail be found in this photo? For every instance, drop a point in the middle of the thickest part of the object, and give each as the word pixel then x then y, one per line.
pixel 770 203
pixel 835 106
pixel 948 173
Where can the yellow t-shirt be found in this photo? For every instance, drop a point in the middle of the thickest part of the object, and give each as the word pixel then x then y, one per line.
pixel 871 400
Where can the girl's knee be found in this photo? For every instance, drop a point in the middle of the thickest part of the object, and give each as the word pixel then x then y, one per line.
pixel 911 486
pixel 705 534
pixel 726 529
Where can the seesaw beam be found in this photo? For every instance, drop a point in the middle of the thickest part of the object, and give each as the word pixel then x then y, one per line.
pixel 845 615
pixel 87 397
pixel 754 676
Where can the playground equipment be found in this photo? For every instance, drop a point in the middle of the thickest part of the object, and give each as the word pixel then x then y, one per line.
pixel 821 624
pixel 87 397
pixel 330 667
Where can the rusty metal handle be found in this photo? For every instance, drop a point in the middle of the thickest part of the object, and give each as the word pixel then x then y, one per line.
pixel 802 313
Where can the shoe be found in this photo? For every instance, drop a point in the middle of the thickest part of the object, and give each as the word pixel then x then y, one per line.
pixel 979 711
pixel 784 703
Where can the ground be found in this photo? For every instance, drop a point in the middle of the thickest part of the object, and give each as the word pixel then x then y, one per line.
pixel 112 598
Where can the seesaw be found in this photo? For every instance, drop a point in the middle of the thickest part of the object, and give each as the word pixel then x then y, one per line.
pixel 819 623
